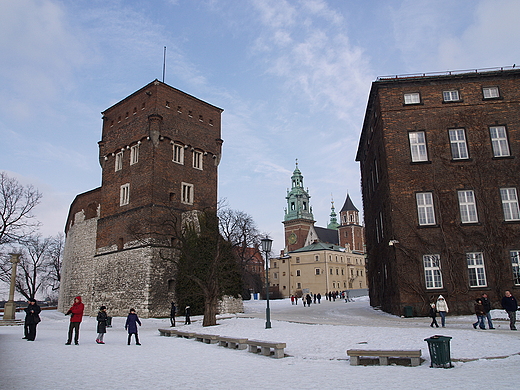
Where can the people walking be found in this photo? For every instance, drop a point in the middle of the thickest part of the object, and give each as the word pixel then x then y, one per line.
pixel 173 312
pixel 309 300
pixel 433 315
pixel 102 319
pixel 292 299
pixel 510 305
pixel 76 313
pixel 187 312
pixel 319 298
pixel 32 318
pixel 487 310
pixel 131 326
pixel 442 309
pixel 479 311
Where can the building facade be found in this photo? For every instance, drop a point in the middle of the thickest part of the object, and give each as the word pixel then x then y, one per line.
pixel 439 160
pixel 159 153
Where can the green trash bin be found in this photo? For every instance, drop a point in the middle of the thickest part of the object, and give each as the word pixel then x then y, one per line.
pixel 439 347
pixel 408 311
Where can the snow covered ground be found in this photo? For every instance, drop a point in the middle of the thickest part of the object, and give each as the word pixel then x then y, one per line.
pixel 317 338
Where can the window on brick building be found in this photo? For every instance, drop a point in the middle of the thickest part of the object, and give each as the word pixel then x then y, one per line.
pixel 510 204
pixel 467 206
pixel 418 146
pixel 476 270
pixel 197 159
pixel 425 209
pixel 134 154
pixel 515 263
pixel 459 146
pixel 490 92
pixel 412 98
pixel 499 141
pixel 178 153
pixel 186 193
pixel 451 96
pixel 432 271
pixel 124 195
pixel 119 161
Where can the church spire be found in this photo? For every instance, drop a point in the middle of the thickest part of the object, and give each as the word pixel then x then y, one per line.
pixel 298 205
pixel 333 224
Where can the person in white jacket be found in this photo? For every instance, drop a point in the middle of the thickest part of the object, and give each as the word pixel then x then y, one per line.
pixel 442 308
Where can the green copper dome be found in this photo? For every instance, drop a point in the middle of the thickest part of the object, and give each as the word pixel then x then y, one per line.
pixel 298 205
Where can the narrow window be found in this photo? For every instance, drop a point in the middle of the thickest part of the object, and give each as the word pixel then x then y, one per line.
pixel 298 272
pixel 510 204
pixel 477 273
pixel 412 98
pixel 331 271
pixel 515 263
pixel 490 92
pixel 451 96
pixel 119 161
pixel 418 146
pixel 317 271
pixel 178 154
pixel 297 260
pixel 432 271
pixel 317 258
pixel 468 207
pixel 187 193
pixel 499 141
pixel 124 195
pixel 197 159
pixel 134 154
pixel 425 208
pixel 459 147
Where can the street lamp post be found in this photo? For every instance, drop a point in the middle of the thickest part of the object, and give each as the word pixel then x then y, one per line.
pixel 266 248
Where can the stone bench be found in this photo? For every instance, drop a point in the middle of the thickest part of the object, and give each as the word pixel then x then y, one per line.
pixel 265 347
pixel 383 355
pixel 207 338
pixel 233 343
pixel 168 332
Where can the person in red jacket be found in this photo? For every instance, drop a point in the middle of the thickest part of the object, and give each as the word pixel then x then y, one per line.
pixel 76 312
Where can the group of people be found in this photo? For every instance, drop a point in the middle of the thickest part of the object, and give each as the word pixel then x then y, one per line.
pixel 173 313
pixel 482 311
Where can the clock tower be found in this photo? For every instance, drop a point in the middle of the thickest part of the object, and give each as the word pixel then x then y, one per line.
pixel 298 213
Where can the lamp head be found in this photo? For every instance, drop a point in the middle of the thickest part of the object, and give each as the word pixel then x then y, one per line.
pixel 266 244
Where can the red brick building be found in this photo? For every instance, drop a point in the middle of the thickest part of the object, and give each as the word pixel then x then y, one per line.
pixel 440 156
pixel 159 153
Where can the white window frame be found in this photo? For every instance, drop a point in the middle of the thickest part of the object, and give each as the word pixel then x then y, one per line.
pixel 425 208
pixel 412 98
pixel 458 143
pixel 187 190
pixel 510 204
pixel 490 92
pixel 197 159
pixel 432 271
pixel 298 272
pixel 476 269
pixel 418 148
pixel 134 154
pixel 499 141
pixel 451 96
pixel 178 154
pixel 119 161
pixel 317 271
pixel 515 264
pixel 124 194
pixel 467 206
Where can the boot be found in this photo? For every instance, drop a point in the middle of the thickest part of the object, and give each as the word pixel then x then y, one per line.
pixel 137 340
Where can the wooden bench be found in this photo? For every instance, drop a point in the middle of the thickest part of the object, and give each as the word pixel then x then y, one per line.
pixel 265 347
pixel 233 343
pixel 207 338
pixel 413 355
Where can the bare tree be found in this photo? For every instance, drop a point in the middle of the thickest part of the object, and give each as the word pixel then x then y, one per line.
pixel 56 245
pixel 16 205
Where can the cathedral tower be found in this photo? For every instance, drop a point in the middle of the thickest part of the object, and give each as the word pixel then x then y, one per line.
pixel 350 231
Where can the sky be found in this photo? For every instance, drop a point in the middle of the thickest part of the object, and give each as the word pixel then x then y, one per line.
pixel 316 338
pixel 293 79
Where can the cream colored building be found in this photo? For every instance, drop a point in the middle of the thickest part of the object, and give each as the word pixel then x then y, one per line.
pixel 318 268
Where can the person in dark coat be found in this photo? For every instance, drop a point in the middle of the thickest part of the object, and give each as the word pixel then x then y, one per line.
pixel 173 312
pixel 433 315
pixel 102 319
pixel 309 300
pixel 131 325
pixel 510 306
pixel 187 312
pixel 32 318
pixel 479 311
pixel 487 310
pixel 76 313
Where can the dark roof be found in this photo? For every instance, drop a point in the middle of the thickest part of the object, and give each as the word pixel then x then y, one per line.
pixel 329 236
pixel 319 246
pixel 348 206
